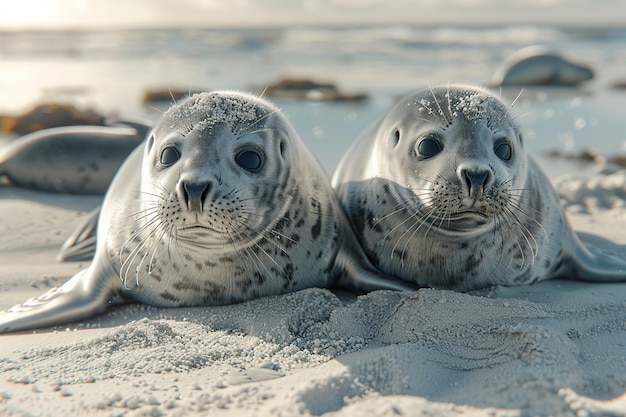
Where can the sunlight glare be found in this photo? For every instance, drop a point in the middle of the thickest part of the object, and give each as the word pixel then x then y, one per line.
pixel 33 13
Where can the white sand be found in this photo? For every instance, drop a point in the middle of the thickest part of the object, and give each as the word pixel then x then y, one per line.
pixel 557 348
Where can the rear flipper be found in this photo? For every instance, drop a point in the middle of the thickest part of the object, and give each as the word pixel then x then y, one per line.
pixel 84 295
pixel 142 126
pixel 81 245
pixel 596 259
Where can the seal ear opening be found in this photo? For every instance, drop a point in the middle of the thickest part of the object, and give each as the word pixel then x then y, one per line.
pixel 150 143
pixel 395 137
pixel 282 148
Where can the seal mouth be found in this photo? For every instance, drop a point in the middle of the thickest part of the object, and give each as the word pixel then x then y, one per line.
pixel 465 221
pixel 198 230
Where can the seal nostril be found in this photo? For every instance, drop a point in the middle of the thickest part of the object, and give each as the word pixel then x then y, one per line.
pixel 195 194
pixel 475 181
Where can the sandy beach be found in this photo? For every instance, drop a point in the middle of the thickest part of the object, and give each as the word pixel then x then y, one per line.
pixel 555 348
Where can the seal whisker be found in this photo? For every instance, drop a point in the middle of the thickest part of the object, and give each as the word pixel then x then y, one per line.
pixel 526 234
pixel 129 223
pixel 133 254
pixel 154 245
pixel 241 131
pixel 248 234
pixel 272 260
pixel 397 209
pixel 134 235
pixel 259 131
pixel 419 222
pixel 158 197
pixel 422 119
pixel 253 257
pixel 166 230
pixel 516 204
pixel 441 112
pixel 516 98
pixel 520 115
pixel 449 104
pixel 393 229
pixel 283 236
pixel 127 263
pixel 141 215
pixel 496 220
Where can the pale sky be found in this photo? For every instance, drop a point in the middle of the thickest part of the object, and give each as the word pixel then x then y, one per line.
pixel 19 14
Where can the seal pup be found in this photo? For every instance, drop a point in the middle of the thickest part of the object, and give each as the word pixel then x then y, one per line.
pixel 222 203
pixel 71 159
pixel 536 65
pixel 441 193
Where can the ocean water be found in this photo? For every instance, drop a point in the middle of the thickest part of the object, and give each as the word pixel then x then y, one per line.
pixel 110 70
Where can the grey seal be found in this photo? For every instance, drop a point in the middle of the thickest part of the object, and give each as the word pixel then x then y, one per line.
pixel 223 203
pixel 71 159
pixel 537 65
pixel 441 193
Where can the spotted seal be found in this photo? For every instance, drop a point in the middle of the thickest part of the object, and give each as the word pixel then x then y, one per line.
pixel 71 159
pixel 537 65
pixel 441 193
pixel 222 204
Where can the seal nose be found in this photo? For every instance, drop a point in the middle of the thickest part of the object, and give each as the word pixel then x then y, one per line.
pixel 194 195
pixel 475 181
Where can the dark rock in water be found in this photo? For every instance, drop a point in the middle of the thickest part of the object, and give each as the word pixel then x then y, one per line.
pixel 587 156
pixel 44 116
pixel 619 85
pixel 619 160
pixel 309 90
pixel 167 95
pixel 298 86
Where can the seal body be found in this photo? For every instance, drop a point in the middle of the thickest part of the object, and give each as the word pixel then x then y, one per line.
pixel 73 159
pixel 223 203
pixel 537 65
pixel 441 193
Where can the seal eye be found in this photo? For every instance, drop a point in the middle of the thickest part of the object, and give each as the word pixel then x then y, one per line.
pixel 429 147
pixel 503 151
pixel 250 160
pixel 169 156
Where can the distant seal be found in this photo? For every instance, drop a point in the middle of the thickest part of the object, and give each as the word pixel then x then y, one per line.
pixel 72 159
pixel 441 193
pixel 537 65
pixel 222 204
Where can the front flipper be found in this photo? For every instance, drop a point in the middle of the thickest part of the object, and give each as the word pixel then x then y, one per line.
pixel 87 293
pixel 360 275
pixel 597 260
pixel 81 244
